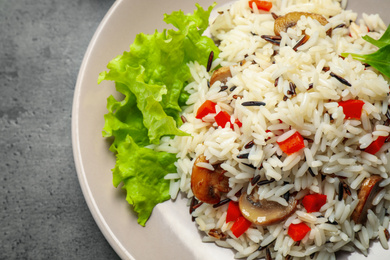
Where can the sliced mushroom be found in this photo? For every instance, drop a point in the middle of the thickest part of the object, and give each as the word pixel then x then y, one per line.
pixel 369 189
pixel 265 212
pixel 221 74
pixel 282 23
pixel 207 185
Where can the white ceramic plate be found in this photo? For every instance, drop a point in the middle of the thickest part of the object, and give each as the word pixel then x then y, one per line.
pixel 169 233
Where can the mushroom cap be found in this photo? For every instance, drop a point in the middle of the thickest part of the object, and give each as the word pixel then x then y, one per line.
pixel 264 212
pixel 368 190
pixel 222 74
pixel 282 23
pixel 207 185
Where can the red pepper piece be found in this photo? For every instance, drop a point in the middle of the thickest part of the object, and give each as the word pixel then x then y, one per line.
pixel 240 226
pixel 314 202
pixel 233 212
pixel 292 144
pixel 261 5
pixel 352 108
pixel 222 118
pixel 376 145
pixel 208 107
pixel 237 122
pixel 298 231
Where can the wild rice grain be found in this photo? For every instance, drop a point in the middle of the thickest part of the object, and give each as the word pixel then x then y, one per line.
pixel 250 165
pixel 387 234
pixel 222 202
pixel 253 103
pixel 341 79
pixel 272 39
pixel 210 61
pixel 311 172
pixel 342 25
pixel 249 145
pixel 243 156
pixel 255 179
pixel 194 202
pixel 292 89
pixel 276 82
pixel 341 191
pixel 286 196
pixel 261 248
pixel 347 189
pixel 264 182
pixel 388 114
pixel 223 88
pixel 302 41
pixel 197 205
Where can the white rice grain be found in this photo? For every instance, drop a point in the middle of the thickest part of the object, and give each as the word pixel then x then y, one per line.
pixel 382 238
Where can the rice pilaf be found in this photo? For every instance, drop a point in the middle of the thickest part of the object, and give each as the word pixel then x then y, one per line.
pixel 279 87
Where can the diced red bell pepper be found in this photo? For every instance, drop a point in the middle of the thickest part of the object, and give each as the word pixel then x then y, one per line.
pixel 233 212
pixel 261 5
pixel 314 202
pixel 292 144
pixel 208 107
pixel 376 145
pixel 237 122
pixel 222 118
pixel 298 231
pixel 240 226
pixel 352 108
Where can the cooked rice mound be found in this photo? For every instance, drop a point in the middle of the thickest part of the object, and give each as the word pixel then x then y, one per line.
pixel 301 94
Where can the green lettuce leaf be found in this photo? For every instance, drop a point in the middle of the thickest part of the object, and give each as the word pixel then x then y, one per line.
pixel 382 42
pixel 151 77
pixel 142 172
pixel 379 60
pixel 124 118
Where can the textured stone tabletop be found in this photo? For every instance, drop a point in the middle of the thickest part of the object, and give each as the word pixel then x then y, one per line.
pixel 43 213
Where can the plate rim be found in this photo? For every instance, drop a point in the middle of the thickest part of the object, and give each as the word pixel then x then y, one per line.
pixel 77 155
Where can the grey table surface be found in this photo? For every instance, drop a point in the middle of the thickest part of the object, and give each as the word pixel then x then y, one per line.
pixel 43 214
